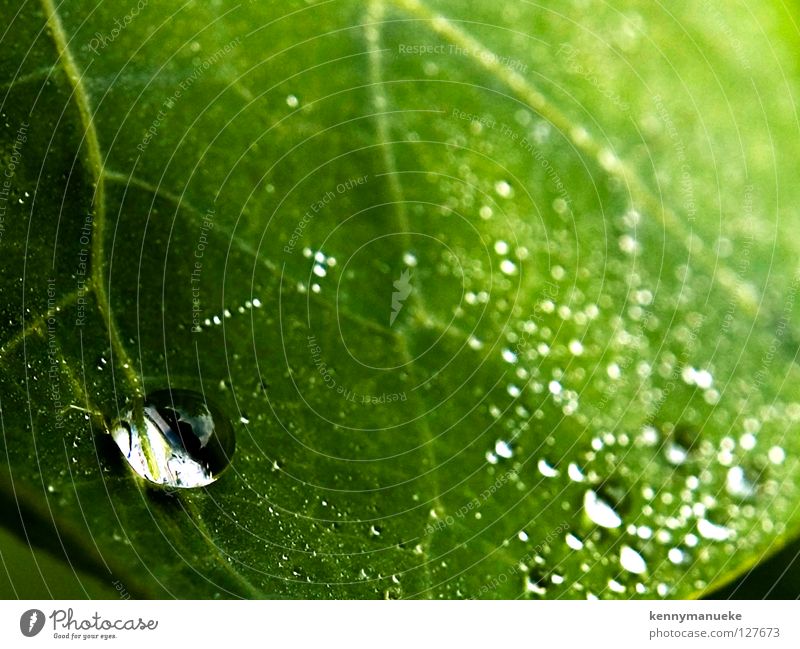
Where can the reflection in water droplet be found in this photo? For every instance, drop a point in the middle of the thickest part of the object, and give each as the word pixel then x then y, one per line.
pixel 175 439
pixel 600 512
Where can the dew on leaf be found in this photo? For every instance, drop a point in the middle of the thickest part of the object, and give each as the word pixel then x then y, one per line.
pixel 503 189
pixel 632 561
pixel 776 455
pixel 508 267
pixel 615 587
pixel 546 470
pixel 737 484
pixel 600 512
pixel 712 531
pixel 175 438
pixel 574 472
pixel 503 449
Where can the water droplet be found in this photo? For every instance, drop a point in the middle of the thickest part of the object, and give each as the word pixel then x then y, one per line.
pixel 503 449
pixel 546 470
pixel 675 454
pixel 503 188
pixel 701 378
pixel 574 472
pixel 632 561
pixel 175 439
pixel 534 586
pixel 501 247
pixel 508 356
pixel 576 347
pixel 737 483
pixel 292 101
pixel 508 267
pixel 474 343
pixel 776 455
pixel 615 586
pixel 675 555
pixel 410 259
pixel 600 512
pixel 712 531
pixel 574 542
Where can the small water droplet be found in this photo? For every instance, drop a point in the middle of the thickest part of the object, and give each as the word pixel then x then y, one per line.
pixel 508 267
pixel 737 484
pixel 508 356
pixel 546 470
pixel 503 449
pixel 574 542
pixel 675 454
pixel 175 439
pixel 776 455
pixel 503 189
pixel 600 512
pixel 712 531
pixel 534 586
pixel 474 343
pixel 501 247
pixel 615 586
pixel 410 259
pixel 632 561
pixel 574 472
pixel 292 101
pixel 576 347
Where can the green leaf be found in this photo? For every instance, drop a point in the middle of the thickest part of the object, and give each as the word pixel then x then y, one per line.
pixel 500 298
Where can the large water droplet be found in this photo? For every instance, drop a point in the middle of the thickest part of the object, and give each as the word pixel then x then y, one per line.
pixel 175 439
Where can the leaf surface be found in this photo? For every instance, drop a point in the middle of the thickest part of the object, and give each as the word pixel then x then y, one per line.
pixel 499 297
